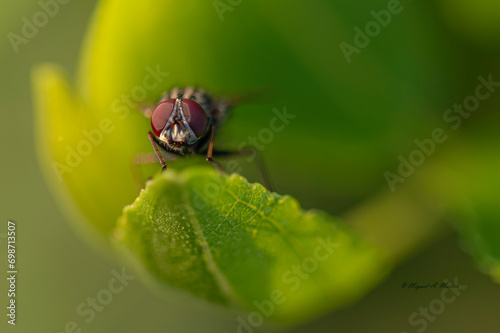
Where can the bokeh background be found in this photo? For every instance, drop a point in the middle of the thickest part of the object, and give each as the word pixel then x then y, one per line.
pixel 437 49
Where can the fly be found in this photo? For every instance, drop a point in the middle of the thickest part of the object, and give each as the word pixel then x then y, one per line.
pixel 185 121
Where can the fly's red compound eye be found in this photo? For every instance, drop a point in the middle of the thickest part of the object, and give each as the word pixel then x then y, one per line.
pixel 195 116
pixel 161 114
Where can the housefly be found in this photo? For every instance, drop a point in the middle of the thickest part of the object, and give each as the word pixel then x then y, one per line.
pixel 185 121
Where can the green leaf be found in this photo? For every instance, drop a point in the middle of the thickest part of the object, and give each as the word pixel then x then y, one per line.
pixel 260 44
pixel 254 47
pixel 481 17
pixel 79 156
pixel 228 241
pixel 473 163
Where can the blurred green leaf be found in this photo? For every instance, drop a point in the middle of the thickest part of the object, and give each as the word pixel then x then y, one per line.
pixel 478 20
pixel 78 154
pixel 332 156
pixel 352 119
pixel 349 140
pixel 223 239
pixel 474 197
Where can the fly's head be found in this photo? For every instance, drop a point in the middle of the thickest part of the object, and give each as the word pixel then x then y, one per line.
pixel 179 123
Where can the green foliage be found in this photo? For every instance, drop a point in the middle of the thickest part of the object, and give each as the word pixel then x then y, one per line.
pixel 232 242
pixel 475 196
pixel 352 121
pixel 349 140
pixel 481 17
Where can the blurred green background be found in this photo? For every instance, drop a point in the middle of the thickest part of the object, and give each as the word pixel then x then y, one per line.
pixel 450 44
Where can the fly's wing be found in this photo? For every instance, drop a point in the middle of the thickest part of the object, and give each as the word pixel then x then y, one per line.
pixel 223 105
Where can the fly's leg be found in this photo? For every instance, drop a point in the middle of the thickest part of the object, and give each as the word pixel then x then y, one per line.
pixel 155 144
pixel 172 155
pixel 264 174
pixel 149 158
pixel 259 161
pixel 211 149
